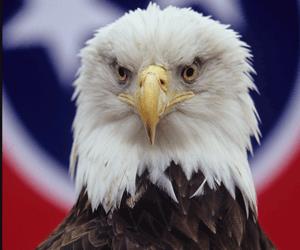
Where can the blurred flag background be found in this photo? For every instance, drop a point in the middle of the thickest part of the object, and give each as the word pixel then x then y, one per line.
pixel 40 43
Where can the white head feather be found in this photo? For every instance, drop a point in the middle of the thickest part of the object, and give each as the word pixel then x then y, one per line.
pixel 209 132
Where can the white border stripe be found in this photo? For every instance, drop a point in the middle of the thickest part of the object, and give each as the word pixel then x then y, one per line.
pixel 280 146
pixel 32 164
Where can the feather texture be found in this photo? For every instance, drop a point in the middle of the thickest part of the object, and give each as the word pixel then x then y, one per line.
pixel 212 221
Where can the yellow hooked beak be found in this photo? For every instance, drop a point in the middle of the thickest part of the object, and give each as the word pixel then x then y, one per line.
pixel 153 99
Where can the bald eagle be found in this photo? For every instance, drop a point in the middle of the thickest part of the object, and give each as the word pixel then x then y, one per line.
pixel 163 124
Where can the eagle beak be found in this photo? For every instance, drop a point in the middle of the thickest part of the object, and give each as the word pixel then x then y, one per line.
pixel 153 99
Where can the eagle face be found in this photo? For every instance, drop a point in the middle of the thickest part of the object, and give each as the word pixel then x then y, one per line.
pixel 159 86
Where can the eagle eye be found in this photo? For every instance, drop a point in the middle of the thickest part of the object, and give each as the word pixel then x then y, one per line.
pixel 190 72
pixel 121 73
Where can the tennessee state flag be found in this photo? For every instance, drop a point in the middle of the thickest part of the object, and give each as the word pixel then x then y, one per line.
pixel 40 43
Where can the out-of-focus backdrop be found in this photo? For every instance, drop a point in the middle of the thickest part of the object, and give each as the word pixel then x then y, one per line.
pixel 40 42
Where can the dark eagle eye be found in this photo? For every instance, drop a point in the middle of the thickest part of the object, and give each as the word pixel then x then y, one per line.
pixel 121 73
pixel 190 72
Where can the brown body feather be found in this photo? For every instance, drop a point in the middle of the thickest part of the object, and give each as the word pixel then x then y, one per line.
pixel 212 221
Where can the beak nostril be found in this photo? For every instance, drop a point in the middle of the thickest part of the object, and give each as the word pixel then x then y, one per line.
pixel 162 82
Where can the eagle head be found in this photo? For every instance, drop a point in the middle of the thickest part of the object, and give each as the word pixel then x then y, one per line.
pixel 161 86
